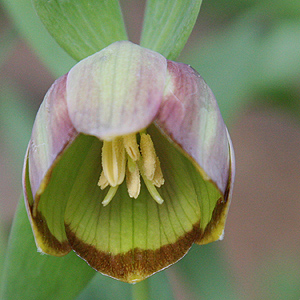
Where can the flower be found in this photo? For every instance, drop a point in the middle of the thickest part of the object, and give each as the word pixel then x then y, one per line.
pixel 129 163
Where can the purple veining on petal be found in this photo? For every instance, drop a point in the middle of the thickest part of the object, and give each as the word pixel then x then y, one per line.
pixel 190 116
pixel 52 131
pixel 116 91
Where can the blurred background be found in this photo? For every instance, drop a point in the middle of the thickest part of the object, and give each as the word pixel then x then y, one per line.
pixel 249 54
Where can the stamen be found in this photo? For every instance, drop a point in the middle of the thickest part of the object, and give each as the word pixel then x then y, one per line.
pixel 122 155
pixel 110 194
pixel 150 186
pixel 133 182
pixel 121 158
pixel 149 155
pixel 103 182
pixel 131 146
pixel 152 190
pixel 113 161
pixel 158 179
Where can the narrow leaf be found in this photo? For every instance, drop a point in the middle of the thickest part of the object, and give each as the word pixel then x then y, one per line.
pixel 168 24
pixel 82 27
pixel 28 274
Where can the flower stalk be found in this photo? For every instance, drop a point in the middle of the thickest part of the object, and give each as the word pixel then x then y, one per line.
pixel 140 290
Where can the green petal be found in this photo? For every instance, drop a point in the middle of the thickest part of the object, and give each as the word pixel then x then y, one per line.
pixel 129 239
pixel 48 218
pixel 82 27
pixel 189 189
pixel 168 24
pixel 52 132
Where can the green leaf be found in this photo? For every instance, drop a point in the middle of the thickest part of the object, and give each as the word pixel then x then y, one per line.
pixel 168 24
pixel 82 27
pixel 29 25
pixel 31 275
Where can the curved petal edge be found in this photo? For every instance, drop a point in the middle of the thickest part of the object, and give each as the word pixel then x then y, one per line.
pixel 137 76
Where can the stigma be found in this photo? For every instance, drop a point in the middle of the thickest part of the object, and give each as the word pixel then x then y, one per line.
pixel 123 157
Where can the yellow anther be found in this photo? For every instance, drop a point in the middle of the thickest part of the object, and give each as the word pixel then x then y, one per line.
pixel 151 189
pixel 131 146
pixel 133 182
pixel 149 156
pixel 158 179
pixel 122 155
pixel 103 182
pixel 113 161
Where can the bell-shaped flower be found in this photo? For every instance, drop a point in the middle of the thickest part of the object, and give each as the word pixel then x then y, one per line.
pixel 129 163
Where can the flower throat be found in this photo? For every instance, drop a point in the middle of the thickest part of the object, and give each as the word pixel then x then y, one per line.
pixel 124 157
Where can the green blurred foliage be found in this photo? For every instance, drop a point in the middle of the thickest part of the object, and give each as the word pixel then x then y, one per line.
pixel 278 277
pixel 206 273
pixel 8 39
pixel 2 248
pixel 12 104
pixel 28 24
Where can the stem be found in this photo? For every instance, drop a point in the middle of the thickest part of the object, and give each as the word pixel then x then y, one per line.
pixel 140 291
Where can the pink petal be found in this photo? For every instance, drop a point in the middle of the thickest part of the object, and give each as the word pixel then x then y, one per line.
pixel 116 91
pixel 52 131
pixel 190 116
